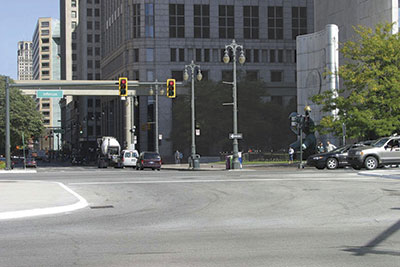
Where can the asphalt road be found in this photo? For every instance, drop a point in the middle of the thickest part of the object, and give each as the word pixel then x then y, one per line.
pixel 271 217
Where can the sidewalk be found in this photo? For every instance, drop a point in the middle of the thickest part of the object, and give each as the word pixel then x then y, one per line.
pixel 20 199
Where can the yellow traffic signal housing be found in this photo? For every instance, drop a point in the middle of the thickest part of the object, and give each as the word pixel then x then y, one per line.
pixel 171 88
pixel 123 86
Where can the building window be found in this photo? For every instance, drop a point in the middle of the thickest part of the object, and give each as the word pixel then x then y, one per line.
pixel 272 56
pixel 97 12
pixel 280 55
pixel 97 64
pixel 226 22
pixel 252 75
pixel 275 22
pixel 97 25
pixel 256 56
pixel 250 22
pixel 90 51
pixel 73 14
pixel 45 65
pixel 177 75
pixel 73 25
pixel 89 25
pixel 149 20
pixel 201 21
pixel 149 54
pixel 206 55
pixel 89 64
pixel 136 20
pixel 45 72
pixel 44 24
pixel 45 56
pixel 176 21
pixel 45 105
pixel 247 54
pixel 97 38
pixel 45 40
pixel 181 54
pixel 198 55
pixel 73 3
pixel 276 76
pixel 299 21
pixel 90 102
pixel 89 38
pixel 97 51
pixel 173 54
pixel 135 55
pixel 45 49
pixel 89 12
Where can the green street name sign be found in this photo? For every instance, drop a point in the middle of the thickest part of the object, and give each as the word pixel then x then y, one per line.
pixel 49 94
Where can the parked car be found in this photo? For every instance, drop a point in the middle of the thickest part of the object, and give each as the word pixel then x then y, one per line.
pixel 149 160
pixel 385 151
pixel 31 162
pixel 129 158
pixel 336 158
pixel 3 159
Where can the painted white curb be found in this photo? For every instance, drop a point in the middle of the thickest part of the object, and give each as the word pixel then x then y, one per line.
pixel 82 203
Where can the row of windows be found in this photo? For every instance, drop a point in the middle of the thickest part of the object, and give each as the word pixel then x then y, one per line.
pixel 89 25
pixel 226 21
pixel 252 75
pixel 96 38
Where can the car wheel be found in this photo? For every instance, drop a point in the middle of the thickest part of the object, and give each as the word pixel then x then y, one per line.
pixel 331 163
pixel 371 163
pixel 356 167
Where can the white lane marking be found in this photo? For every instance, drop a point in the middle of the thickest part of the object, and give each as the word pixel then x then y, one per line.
pixel 225 181
pixel 82 203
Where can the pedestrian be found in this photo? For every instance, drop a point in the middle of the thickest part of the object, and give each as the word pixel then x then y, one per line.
pixel 177 157
pixel 291 154
pixel 320 148
pixel 330 146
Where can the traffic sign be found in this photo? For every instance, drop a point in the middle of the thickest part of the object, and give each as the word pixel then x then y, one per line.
pixel 49 94
pixel 61 131
pixel 235 136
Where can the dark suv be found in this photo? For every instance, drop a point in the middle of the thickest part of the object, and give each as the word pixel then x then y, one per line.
pixel 384 151
pixel 149 160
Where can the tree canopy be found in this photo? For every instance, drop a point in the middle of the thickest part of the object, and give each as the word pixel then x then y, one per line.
pixel 264 125
pixel 24 118
pixel 369 103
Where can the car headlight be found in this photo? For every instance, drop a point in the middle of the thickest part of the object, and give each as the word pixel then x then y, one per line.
pixel 317 158
pixel 359 153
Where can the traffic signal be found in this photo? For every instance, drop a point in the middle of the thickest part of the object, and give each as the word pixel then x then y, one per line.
pixel 171 88
pixel 123 86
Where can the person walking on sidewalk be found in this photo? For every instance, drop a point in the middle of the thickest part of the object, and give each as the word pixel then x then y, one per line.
pixel 291 154
pixel 330 146
pixel 177 157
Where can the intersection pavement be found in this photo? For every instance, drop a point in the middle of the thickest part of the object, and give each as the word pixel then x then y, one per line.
pixel 27 198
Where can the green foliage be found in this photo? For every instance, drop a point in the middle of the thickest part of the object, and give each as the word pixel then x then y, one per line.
pixel 23 116
pixel 370 103
pixel 263 125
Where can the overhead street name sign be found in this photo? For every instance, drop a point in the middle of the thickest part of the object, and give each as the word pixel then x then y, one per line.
pixel 235 136
pixel 49 94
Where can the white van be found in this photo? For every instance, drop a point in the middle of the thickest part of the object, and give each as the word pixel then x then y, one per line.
pixel 129 158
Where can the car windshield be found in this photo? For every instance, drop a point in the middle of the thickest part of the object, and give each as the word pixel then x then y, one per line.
pixel 151 156
pixel 340 149
pixel 380 142
pixel 127 154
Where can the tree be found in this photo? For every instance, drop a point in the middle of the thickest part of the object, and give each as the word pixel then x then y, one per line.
pixel 264 125
pixel 369 103
pixel 24 118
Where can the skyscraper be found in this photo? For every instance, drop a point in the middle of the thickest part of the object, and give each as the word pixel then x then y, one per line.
pixel 25 71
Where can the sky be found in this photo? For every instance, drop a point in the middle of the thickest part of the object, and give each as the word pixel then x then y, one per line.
pixel 18 19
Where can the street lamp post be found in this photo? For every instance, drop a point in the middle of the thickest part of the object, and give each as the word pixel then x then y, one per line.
pixel 234 47
pixel 156 139
pixel 192 67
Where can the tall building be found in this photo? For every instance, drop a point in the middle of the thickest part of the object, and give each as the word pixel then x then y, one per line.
pixel 148 41
pixel 347 14
pixel 25 71
pixel 69 20
pixel 46 66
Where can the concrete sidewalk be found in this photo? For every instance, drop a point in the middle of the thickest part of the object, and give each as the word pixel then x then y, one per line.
pixel 20 199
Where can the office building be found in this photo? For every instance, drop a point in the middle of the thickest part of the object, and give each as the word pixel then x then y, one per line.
pixel 46 66
pixel 154 41
pixel 24 62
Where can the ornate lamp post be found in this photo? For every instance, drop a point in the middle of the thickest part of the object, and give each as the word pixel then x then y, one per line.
pixel 192 67
pixel 234 47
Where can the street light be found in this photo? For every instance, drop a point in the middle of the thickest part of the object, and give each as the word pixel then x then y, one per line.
pixel 234 47
pixel 192 67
